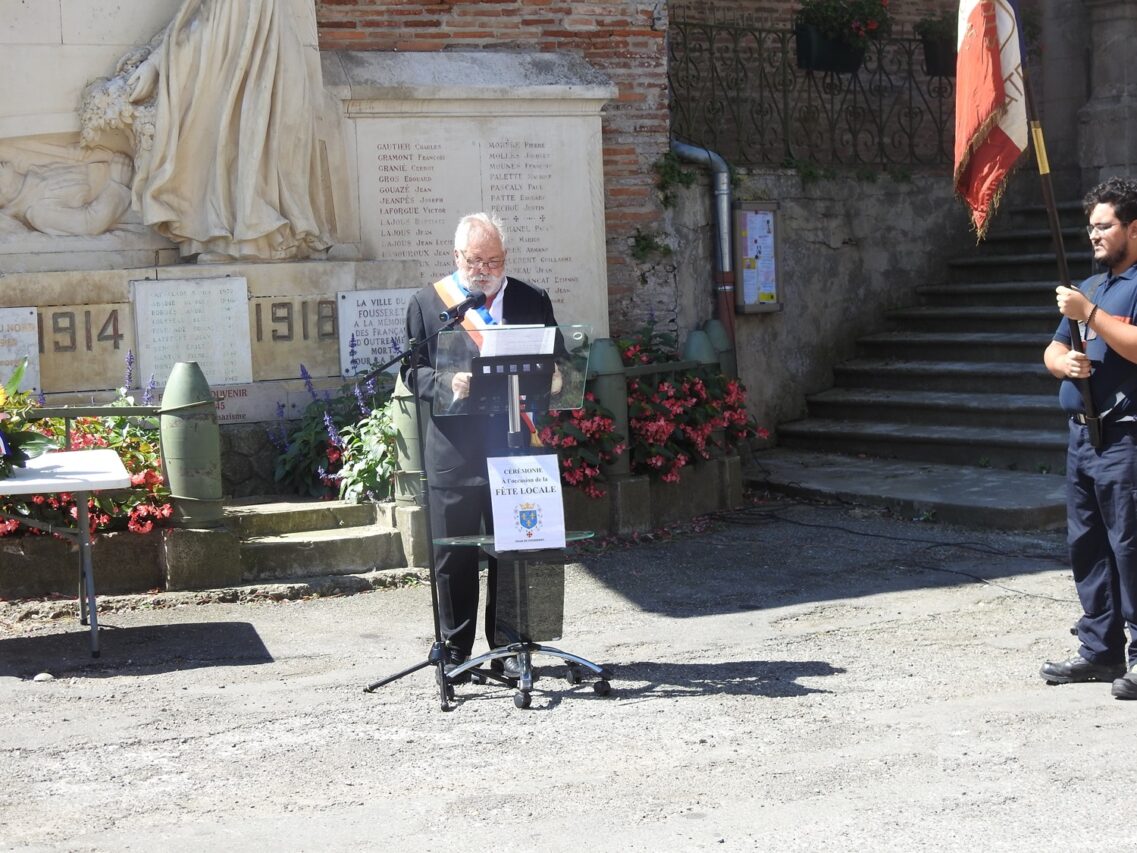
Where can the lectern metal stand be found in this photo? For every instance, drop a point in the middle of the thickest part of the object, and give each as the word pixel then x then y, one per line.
pixel 498 384
pixel 530 609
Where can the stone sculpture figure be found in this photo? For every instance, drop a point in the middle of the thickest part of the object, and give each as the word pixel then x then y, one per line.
pixel 233 169
pixel 64 199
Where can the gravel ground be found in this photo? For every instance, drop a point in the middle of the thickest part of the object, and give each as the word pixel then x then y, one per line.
pixel 789 677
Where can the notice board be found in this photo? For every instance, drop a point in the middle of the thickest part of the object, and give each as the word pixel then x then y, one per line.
pixel 757 256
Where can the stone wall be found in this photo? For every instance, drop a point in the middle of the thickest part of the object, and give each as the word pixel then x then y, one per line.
pixel 624 40
pixel 850 251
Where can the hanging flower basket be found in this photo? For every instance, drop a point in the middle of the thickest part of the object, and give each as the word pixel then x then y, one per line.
pixel 939 57
pixel 819 52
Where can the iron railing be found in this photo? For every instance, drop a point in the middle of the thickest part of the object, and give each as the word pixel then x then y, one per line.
pixel 738 90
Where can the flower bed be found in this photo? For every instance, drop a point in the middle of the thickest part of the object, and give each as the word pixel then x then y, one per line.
pixel 139 509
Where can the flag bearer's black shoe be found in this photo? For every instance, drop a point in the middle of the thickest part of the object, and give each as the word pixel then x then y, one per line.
pixel 1077 669
pixel 1126 686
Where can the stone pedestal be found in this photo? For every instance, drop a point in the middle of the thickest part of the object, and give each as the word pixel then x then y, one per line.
pixel 434 136
pixel 411 521
pixel 201 559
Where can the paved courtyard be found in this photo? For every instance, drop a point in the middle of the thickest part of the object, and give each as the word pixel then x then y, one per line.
pixel 788 677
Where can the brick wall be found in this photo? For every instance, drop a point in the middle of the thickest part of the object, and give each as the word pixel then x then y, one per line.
pixel 623 39
pixel 778 13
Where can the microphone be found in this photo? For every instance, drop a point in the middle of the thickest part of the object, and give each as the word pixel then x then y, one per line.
pixel 475 300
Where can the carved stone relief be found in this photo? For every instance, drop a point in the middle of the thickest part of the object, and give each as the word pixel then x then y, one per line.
pixel 219 115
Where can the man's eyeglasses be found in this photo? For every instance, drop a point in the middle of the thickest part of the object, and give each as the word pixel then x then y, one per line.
pixel 494 264
pixel 1099 228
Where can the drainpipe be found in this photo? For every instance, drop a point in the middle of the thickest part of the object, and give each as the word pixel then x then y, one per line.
pixel 724 266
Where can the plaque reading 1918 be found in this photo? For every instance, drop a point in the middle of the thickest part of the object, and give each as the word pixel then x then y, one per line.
pixel 200 319
pixel 372 327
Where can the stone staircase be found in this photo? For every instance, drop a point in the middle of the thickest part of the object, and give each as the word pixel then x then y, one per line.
pixel 955 388
pixel 290 540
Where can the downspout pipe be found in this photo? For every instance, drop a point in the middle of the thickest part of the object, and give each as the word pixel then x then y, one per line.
pixel 724 261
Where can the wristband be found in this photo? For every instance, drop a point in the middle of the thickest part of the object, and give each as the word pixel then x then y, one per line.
pixel 1091 317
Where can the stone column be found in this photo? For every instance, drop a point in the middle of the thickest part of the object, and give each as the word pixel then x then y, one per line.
pixel 1107 132
pixel 1064 70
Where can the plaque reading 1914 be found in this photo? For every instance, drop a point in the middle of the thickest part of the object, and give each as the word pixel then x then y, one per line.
pixel 372 327
pixel 201 319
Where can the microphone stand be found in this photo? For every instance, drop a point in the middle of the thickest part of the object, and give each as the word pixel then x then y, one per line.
pixel 437 655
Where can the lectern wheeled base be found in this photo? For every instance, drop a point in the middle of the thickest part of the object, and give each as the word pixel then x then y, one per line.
pixel 524 652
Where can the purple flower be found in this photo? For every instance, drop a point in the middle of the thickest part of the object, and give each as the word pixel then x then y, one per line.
pixel 148 394
pixel 360 400
pixel 128 380
pixel 307 377
pixel 278 437
pixel 351 352
pixel 333 433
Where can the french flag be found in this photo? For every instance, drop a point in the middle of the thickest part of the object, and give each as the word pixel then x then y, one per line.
pixel 990 104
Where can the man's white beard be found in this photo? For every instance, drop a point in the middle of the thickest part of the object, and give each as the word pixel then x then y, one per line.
pixel 486 284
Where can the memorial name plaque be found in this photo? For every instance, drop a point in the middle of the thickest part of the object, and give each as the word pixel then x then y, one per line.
pixel 84 347
pixel 19 340
pixel 373 328
pixel 203 319
pixel 541 176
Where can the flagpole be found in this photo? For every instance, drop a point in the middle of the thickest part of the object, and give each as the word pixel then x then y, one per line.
pixel 1092 420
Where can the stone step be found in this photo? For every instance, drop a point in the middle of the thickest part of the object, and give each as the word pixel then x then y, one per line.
pixel 989 411
pixel 953 376
pixel 959 346
pixel 1035 294
pixel 312 553
pixel 972 318
pixel 1034 216
pixel 1016 449
pixel 950 494
pixel 1030 266
pixel 255 517
pixel 1033 241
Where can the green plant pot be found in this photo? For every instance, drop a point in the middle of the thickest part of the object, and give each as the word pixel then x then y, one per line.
pixel 818 52
pixel 939 57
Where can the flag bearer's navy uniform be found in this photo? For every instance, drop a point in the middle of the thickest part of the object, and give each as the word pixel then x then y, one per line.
pixel 1101 495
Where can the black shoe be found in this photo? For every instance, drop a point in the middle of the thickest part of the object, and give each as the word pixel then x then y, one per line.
pixel 509 667
pixel 454 659
pixel 1077 670
pixel 1126 686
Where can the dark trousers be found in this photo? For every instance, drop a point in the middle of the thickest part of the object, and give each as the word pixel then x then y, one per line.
pixel 1101 516
pixel 461 511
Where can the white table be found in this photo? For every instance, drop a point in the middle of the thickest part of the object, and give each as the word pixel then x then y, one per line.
pixel 79 472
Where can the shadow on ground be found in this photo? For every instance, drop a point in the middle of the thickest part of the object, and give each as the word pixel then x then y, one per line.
pixel 644 681
pixel 764 558
pixel 133 651
pixel 771 679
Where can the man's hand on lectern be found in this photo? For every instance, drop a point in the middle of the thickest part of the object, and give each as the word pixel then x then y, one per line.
pixel 460 385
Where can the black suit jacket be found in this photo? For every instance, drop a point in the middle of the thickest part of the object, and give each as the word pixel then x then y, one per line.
pixel 457 446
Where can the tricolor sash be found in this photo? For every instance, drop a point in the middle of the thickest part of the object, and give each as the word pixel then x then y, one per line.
pixel 451 292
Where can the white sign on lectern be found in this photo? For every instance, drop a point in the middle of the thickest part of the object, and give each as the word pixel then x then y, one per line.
pixel 528 507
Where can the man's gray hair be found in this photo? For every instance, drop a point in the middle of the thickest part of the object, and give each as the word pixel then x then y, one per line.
pixel 487 221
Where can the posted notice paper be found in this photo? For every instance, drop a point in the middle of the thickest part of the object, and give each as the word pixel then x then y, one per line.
pixel 528 508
